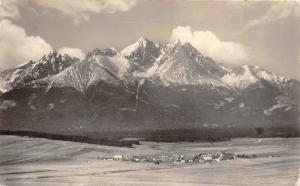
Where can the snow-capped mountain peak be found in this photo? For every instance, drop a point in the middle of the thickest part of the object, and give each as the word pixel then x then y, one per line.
pixel 183 64
pixel 142 53
pixel 130 49
pixel 143 41
pixel 48 65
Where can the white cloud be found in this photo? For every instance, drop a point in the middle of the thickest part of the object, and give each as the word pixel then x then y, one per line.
pixel 79 10
pixel 17 47
pixel 9 8
pixel 73 52
pixel 208 44
pixel 278 10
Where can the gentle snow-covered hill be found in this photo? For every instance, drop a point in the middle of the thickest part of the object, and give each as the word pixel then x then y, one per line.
pixel 242 77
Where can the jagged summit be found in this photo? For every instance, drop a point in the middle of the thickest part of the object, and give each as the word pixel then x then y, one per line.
pixel 142 53
pixel 57 60
pixel 183 64
pixel 144 40
pixel 48 65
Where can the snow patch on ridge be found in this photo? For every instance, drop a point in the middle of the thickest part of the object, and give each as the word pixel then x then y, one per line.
pixel 241 79
pixel 5 104
pixel 282 103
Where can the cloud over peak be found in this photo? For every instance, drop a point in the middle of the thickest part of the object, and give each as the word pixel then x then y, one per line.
pixel 210 45
pixel 17 47
pixel 73 52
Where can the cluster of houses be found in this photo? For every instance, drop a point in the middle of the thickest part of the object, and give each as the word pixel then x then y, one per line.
pixel 180 158
pixel 213 157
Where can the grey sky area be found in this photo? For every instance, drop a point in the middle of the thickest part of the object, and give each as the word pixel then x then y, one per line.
pixel 231 32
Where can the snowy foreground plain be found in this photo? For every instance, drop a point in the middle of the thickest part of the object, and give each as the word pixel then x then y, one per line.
pixel 35 161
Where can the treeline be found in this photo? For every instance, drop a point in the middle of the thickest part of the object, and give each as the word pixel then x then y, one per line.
pixel 74 138
pixel 171 135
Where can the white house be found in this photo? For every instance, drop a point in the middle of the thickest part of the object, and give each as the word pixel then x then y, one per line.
pixel 118 157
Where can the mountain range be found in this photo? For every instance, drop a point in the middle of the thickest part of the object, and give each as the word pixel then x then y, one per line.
pixel 160 91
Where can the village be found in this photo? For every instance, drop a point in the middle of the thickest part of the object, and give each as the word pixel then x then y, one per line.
pixel 181 158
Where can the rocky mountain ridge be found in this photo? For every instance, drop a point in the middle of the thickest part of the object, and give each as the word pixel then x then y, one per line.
pixel 146 87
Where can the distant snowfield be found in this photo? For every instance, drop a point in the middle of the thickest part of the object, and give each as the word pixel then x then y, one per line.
pixel 33 161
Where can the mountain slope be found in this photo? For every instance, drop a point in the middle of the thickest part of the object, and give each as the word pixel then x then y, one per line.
pixel 183 64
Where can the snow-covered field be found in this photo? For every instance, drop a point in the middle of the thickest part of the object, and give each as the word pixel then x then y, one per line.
pixel 33 161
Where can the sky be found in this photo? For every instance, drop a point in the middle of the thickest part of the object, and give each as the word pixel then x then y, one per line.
pixel 263 33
